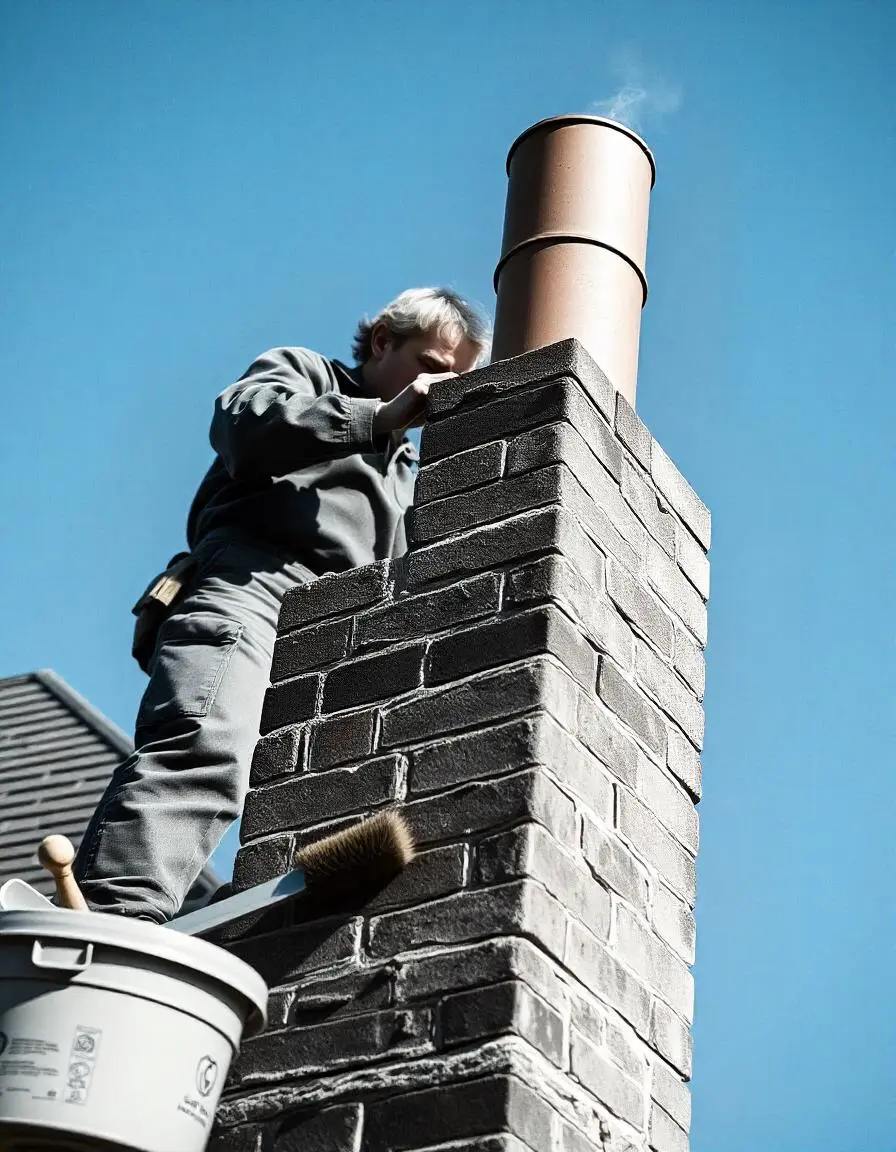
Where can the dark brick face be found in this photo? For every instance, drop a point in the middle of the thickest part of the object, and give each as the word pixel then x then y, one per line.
pixel 372 678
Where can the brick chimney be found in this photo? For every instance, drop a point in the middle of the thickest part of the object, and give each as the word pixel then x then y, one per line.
pixel 526 684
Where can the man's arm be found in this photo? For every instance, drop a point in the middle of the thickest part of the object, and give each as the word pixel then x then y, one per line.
pixel 275 417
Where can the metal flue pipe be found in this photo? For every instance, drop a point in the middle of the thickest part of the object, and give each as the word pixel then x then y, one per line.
pixel 575 243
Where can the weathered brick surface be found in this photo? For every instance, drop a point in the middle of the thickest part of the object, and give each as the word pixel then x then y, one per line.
pixel 381 677
pixel 278 755
pixel 680 494
pixel 310 648
pixel 334 1129
pixel 542 630
pixel 335 594
pixel 415 617
pixel 566 358
pixel 289 702
pixel 498 1008
pixel 527 685
pixel 338 739
pixel 459 473
pixel 315 796
pixel 632 431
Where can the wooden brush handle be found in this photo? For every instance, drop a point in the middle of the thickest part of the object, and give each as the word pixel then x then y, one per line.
pixel 57 854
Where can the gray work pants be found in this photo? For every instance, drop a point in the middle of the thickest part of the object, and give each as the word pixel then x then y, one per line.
pixel 168 805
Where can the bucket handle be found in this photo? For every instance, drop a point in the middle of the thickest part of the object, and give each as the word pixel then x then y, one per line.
pixel 73 957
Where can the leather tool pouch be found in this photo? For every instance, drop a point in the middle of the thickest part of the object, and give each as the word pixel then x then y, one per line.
pixel 156 603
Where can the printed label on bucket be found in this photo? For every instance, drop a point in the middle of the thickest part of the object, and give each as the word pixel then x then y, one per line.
pixel 81 1064
pixel 30 1065
pixel 201 1107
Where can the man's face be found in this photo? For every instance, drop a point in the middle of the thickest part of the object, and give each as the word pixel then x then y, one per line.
pixel 394 365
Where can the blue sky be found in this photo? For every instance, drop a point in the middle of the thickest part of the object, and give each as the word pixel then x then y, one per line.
pixel 186 184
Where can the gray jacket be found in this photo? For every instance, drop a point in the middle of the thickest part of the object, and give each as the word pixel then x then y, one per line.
pixel 297 466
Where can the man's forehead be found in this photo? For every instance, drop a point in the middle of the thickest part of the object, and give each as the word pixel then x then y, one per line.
pixel 453 348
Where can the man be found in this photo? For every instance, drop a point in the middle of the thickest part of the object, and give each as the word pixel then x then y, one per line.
pixel 312 475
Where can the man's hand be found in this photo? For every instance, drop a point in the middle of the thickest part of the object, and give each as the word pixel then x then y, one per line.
pixel 408 409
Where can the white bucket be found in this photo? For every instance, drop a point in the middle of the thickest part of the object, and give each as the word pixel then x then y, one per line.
pixel 115 1033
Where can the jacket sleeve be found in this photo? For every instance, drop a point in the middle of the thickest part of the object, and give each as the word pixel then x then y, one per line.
pixel 277 417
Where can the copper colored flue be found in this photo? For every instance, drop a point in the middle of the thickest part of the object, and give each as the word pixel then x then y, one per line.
pixel 575 242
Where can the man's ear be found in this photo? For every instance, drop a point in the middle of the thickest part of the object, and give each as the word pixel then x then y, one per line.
pixel 380 339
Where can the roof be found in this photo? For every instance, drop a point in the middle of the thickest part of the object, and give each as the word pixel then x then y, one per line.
pixel 57 753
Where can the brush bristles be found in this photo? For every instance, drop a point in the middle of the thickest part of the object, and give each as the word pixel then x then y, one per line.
pixel 370 852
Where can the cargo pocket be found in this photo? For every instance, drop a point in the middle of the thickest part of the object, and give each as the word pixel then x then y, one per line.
pixel 191 658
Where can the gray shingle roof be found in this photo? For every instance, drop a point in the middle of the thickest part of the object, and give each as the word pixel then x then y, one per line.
pixel 57 753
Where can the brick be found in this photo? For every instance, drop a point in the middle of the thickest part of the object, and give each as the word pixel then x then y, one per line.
pixel 459 473
pixel 655 845
pixel 487 752
pixel 612 1087
pixel 522 907
pixel 325 1047
pixel 631 706
pixel 412 617
pixel 530 851
pixel 335 594
pixel 485 805
pixel 556 443
pixel 632 431
pixel 597 470
pixel 492 546
pixel 676 591
pixel 674 921
pixel 553 579
pixel 680 494
pixel 309 649
pixel 278 755
pixel 591 496
pixel 693 561
pixel 334 1129
pixel 513 413
pixel 261 861
pixel 671 1092
pixel 489 962
pixel 503 1143
pixel 640 606
pixel 670 692
pixel 339 739
pixel 627 1050
pixel 540 631
pixel 289 702
pixel 671 805
pixel 458 1112
pixel 683 762
pixel 600 732
pixel 432 874
pixel 664 1134
pixel 612 863
pixel 368 678
pixel 587 1015
pixel 314 797
pixel 510 1007
pixel 671 1037
pixel 641 497
pixel 287 956
pixel 688 661
pixel 590 961
pixel 243 1138
pixel 329 997
pixel 482 700
pixel 499 501
pixel 563 358
pixel 570 1139
pixel 646 954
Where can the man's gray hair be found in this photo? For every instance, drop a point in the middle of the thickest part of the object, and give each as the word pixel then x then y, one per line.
pixel 425 310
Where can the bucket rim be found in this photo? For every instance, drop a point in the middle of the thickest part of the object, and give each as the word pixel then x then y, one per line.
pixel 153 940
